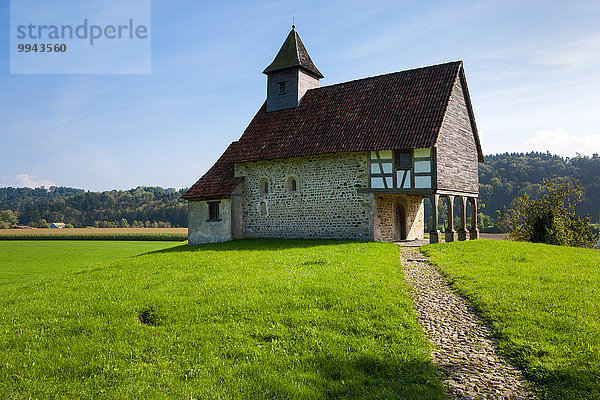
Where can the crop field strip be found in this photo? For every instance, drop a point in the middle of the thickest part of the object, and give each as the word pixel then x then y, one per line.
pixel 142 234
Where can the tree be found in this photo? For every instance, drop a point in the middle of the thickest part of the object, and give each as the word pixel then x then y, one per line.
pixel 551 218
pixel 8 219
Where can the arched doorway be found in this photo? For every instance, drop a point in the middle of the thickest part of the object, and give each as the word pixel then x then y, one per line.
pixel 400 223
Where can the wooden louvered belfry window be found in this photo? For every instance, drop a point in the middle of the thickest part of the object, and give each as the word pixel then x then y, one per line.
pixel 281 87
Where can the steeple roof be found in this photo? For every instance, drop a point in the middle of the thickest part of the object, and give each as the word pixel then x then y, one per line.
pixel 293 54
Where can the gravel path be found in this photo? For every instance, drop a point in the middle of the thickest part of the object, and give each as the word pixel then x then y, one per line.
pixel 462 346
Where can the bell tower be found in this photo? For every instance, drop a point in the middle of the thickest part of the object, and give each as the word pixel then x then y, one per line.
pixel 290 75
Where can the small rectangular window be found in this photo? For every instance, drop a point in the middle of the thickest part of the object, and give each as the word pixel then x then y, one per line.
pixel 213 211
pixel 403 159
pixel 281 87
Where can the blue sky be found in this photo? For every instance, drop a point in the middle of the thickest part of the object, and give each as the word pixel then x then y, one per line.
pixel 533 69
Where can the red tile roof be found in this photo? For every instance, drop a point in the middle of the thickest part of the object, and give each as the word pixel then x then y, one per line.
pixel 219 181
pixel 401 110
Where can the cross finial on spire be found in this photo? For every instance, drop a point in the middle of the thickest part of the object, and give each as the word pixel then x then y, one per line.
pixel 293 21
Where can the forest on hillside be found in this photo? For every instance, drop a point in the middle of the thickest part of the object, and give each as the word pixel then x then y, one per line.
pixel 502 178
pixel 139 207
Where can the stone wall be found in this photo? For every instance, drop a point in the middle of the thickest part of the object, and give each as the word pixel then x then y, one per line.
pixel 457 163
pixel 200 230
pixel 385 218
pixel 326 203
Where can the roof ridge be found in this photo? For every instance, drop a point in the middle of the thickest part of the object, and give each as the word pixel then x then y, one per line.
pixel 388 74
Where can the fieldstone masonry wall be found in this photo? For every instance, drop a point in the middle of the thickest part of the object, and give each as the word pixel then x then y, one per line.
pixel 326 203
pixel 385 229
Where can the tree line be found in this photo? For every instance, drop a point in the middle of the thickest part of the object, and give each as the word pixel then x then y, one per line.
pixel 139 207
pixel 502 179
pixel 505 177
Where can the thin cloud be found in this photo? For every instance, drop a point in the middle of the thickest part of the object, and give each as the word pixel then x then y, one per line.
pixel 583 52
pixel 26 180
pixel 559 141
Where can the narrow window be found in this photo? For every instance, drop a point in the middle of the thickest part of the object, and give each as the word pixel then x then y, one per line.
pixel 403 159
pixel 263 208
pixel 264 186
pixel 213 211
pixel 281 87
pixel 291 184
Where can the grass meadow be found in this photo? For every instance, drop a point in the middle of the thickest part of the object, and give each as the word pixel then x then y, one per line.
pixel 23 261
pixel 543 304
pixel 250 319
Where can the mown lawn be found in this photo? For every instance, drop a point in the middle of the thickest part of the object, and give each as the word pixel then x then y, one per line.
pixel 543 304
pixel 22 261
pixel 246 319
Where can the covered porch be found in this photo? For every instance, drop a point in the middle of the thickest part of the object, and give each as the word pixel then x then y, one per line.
pixel 450 234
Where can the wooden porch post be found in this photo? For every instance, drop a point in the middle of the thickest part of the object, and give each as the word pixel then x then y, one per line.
pixel 474 231
pixel 434 234
pixel 462 232
pixel 450 232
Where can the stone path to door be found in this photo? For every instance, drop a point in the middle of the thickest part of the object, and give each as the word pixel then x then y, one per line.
pixel 463 349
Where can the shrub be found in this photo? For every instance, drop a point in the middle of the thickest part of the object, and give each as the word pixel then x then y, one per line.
pixel 551 219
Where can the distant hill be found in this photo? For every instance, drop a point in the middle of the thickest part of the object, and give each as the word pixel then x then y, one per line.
pixel 142 206
pixel 502 178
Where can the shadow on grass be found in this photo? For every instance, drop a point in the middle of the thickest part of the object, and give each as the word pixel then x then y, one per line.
pixel 578 380
pixel 567 383
pixel 253 245
pixel 374 378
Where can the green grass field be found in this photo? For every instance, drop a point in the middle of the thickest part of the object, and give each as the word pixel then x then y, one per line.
pixel 22 261
pixel 246 319
pixel 543 304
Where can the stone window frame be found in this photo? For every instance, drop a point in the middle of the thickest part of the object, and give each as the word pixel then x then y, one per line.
pixel 213 211
pixel 291 184
pixel 264 186
pixel 263 209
